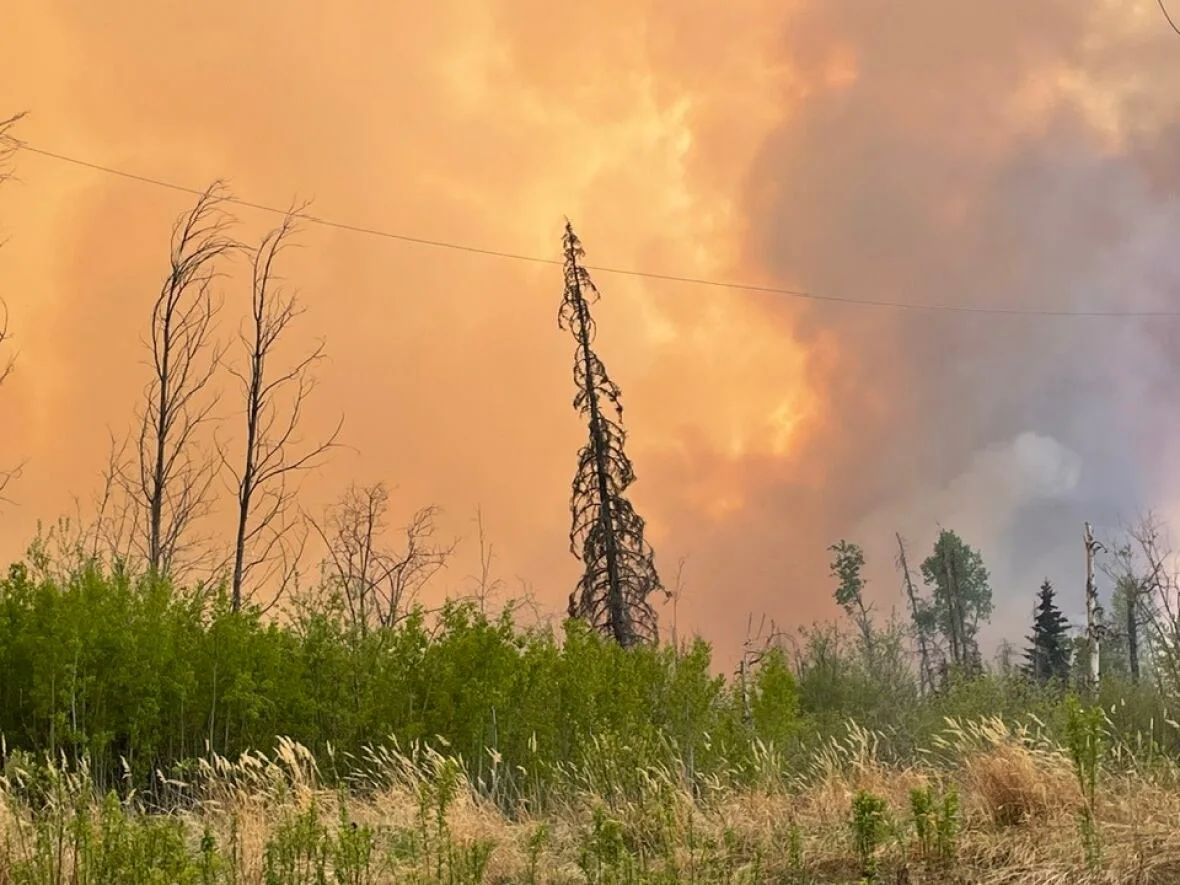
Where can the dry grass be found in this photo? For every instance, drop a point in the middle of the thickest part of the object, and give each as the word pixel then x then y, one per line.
pixel 1020 805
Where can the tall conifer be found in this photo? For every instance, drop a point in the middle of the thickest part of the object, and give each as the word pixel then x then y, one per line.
pixel 1049 655
pixel 607 533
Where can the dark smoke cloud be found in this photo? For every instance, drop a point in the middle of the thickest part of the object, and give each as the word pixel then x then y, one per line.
pixel 954 169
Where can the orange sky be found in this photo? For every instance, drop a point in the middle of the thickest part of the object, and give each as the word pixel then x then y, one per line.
pixel 851 148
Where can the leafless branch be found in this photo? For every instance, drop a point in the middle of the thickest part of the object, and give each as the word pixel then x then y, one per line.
pixel 486 586
pixel 8 146
pixel 1157 596
pixel 675 593
pixel 527 601
pixel 269 541
pixel 9 474
pixel 116 524
pixel 9 362
pixel 167 480
pixel 376 584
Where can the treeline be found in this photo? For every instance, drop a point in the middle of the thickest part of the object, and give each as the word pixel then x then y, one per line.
pixel 140 678
pixel 1129 646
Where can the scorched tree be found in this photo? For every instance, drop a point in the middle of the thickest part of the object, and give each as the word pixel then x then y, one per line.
pixel 607 533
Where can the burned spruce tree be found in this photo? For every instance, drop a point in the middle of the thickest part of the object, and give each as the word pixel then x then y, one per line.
pixel 607 533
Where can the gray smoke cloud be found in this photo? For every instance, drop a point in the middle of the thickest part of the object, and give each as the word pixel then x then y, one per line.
pixel 958 166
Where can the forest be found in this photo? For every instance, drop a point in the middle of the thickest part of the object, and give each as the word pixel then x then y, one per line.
pixel 175 708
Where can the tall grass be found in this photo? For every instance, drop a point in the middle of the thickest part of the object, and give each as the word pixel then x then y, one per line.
pixel 987 804
pixel 138 743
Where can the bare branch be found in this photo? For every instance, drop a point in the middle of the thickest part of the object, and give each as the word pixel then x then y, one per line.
pixel 9 474
pixel 273 453
pixel 166 482
pixel 8 146
pixel 1157 597
pixel 486 586
pixel 375 584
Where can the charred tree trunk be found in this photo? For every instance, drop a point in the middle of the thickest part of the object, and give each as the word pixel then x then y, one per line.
pixel 620 618
pixel 607 533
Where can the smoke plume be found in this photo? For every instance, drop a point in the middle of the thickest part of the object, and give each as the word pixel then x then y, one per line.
pixel 1019 153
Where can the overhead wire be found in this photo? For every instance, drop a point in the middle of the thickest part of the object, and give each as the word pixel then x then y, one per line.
pixel 618 271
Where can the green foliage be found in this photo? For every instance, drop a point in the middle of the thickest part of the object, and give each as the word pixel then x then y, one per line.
pixel 839 679
pixel 1086 731
pixel 962 596
pixel 536 722
pixel 869 825
pixel 936 823
pixel 124 679
pixel 774 710
pixel 298 851
pixel 604 856
pixel 848 562
pixel 112 846
pixel 132 673
pixel 536 844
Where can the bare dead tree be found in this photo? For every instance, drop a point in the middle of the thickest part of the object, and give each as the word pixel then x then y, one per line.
pixel 485 585
pixel 267 537
pixel 920 621
pixel 607 533
pixel 167 480
pixel 1093 608
pixel 376 583
pixel 112 533
pixel 1159 598
pixel 675 593
pixel 9 144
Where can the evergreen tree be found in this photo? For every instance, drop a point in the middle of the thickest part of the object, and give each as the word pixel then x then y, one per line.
pixel 607 533
pixel 1049 655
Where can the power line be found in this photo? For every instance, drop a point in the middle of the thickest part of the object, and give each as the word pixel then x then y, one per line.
pixel 536 259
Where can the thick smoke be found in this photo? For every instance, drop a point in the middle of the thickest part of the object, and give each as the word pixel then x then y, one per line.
pixel 1010 153
pixel 1004 155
